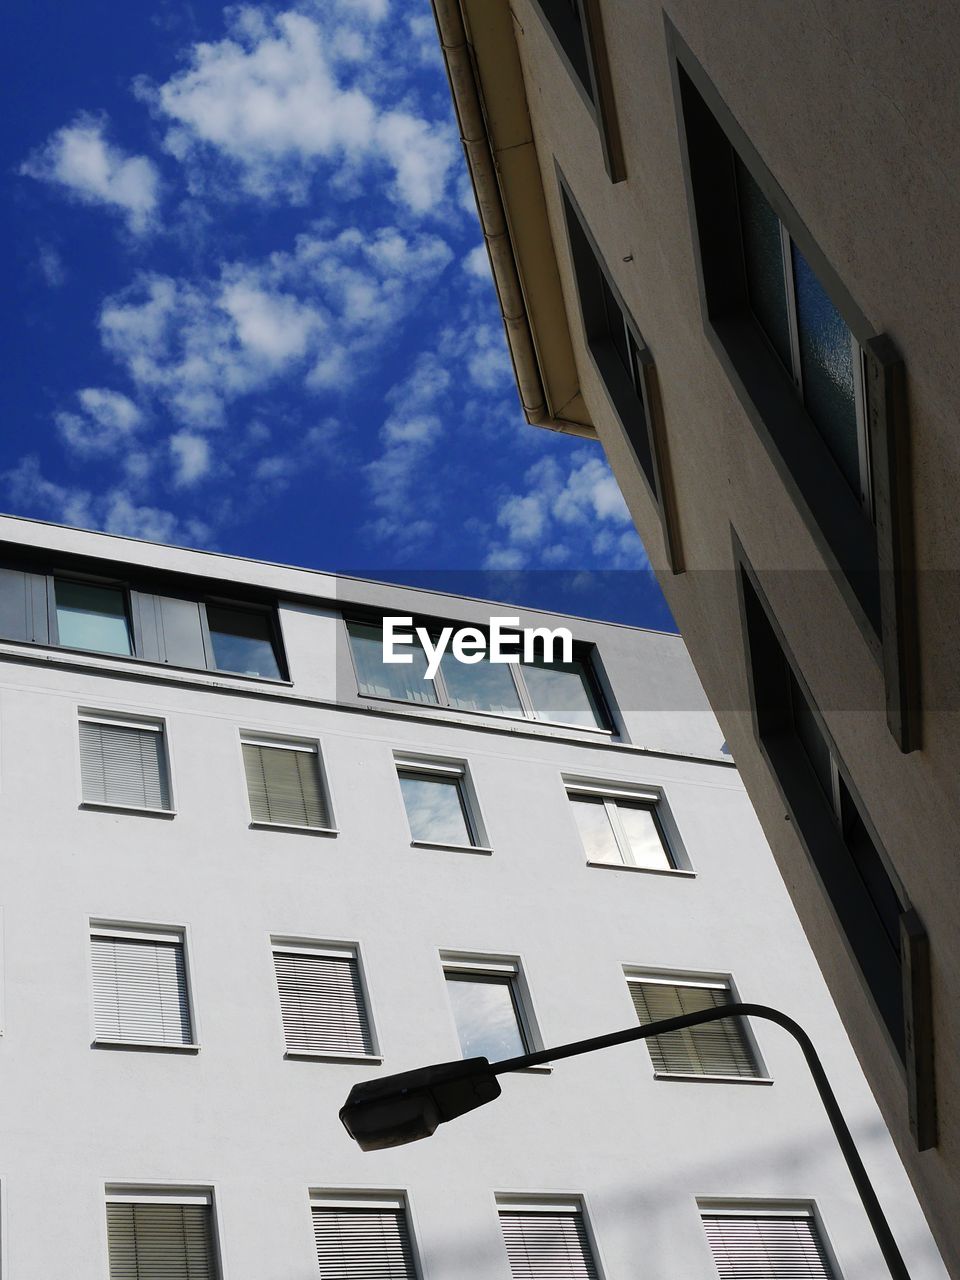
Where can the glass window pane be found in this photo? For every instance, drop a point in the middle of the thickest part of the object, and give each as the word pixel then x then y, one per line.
pixel 435 809
pixel 377 678
pixel 643 834
pixel 826 362
pixel 599 842
pixel 484 686
pixel 811 739
pixel 90 617
pixel 485 1012
pixel 763 262
pixel 561 691
pixel 242 642
pixel 616 328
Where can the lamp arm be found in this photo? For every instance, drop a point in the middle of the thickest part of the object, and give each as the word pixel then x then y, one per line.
pixel 868 1197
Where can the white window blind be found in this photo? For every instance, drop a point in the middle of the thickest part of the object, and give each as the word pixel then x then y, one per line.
pixel 160 1242
pixel 545 1245
pixel 284 785
pixel 124 764
pixel 363 1243
pixel 716 1049
pixel 775 1247
pixel 140 990
pixel 321 999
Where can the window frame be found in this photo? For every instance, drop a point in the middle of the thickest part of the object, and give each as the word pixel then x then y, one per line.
pixel 872 561
pixel 710 982
pixel 273 627
pixel 372 1198
pixel 126 720
pixel 634 395
pixel 813 818
pixel 478 965
pixel 773 1208
pixel 441 767
pixel 584 652
pixel 98 927
pixel 165 1193
pixel 552 1202
pixel 596 91
pixel 652 798
pixel 336 949
pixel 89 580
pixel 289 742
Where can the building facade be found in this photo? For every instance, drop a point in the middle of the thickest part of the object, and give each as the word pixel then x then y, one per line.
pixel 719 234
pixel 247 864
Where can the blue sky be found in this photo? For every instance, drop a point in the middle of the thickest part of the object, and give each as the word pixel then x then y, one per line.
pixel 248 307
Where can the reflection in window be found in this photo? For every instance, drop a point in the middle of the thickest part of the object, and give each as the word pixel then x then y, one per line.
pixel 486 1011
pixel 406 681
pixel 596 830
pixel 242 641
pixel 92 617
pixel 621 832
pixel 436 809
pixel 560 691
pixel 483 686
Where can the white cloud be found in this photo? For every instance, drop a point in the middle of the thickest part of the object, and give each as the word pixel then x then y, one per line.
pixel 191 458
pixel 273 98
pixel 477 262
pixel 51 265
pixel 79 158
pixel 106 424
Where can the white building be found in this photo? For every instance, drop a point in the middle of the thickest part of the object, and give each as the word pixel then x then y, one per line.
pixel 246 866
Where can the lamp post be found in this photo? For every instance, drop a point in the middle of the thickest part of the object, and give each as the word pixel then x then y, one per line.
pixel 405 1107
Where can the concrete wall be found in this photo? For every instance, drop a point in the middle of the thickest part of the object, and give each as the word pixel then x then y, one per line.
pixel 853 108
pixel 261 1129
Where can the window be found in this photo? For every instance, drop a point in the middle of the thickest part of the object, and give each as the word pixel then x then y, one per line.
pixel 487 1008
pixel 719 1050
pixel 360 1236
pixel 322 1000
pixel 140 990
pixel 123 763
pixel 163 1233
pixel 242 641
pixel 751 1243
pixel 621 829
pixel 626 369
pixel 285 784
pixel 545 1239
pixel 825 393
pixel 883 933
pixel 557 692
pixel 576 28
pixel 437 803
pixel 92 617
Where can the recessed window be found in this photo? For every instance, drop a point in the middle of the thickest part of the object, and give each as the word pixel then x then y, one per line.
pixel 140 992
pixel 753 1241
pixel 92 617
pixel 242 641
pixel 322 1000
pixel 361 1236
pixel 561 692
pixel 160 1233
pixel 487 1008
pixel 123 763
pixel 720 1049
pixel 285 784
pixel 437 803
pixel 621 831
pixel 545 1239
pixel 482 686
pixel 376 678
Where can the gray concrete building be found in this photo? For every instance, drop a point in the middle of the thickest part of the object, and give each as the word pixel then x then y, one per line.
pixel 246 864
pixel 720 234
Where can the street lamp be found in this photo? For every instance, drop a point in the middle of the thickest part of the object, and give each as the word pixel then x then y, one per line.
pixel 403 1108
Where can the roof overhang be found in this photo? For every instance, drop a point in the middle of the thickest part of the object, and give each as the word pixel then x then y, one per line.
pixel 486 79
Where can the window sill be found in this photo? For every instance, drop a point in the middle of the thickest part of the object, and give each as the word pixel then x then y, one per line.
pixel 105 807
pixel 284 826
pixel 542 1069
pixel 648 871
pixel 152 1046
pixel 318 1055
pixel 693 1078
pixel 451 848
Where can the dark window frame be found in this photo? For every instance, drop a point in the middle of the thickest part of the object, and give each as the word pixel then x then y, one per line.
pixel 244 606
pixel 634 393
pixel 89 580
pixel 871 560
pixel 582 47
pixel 898 986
